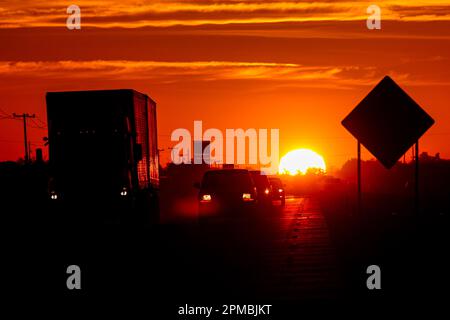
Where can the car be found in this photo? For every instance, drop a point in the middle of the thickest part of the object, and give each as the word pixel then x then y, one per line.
pixel 226 191
pixel 278 193
pixel 262 187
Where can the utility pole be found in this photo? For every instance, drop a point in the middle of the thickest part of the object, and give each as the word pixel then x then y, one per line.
pixel 24 116
pixel 358 171
pixel 416 180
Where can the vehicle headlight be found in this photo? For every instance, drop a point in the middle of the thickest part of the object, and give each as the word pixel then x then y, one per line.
pixel 247 197
pixel 267 191
pixel 206 198
pixel 53 195
pixel 124 192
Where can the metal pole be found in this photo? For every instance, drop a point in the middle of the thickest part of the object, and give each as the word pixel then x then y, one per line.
pixel 27 155
pixel 30 151
pixel 416 179
pixel 359 178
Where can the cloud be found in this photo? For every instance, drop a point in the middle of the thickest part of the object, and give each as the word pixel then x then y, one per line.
pixel 414 12
pixel 165 71
pixel 276 75
pixel 133 14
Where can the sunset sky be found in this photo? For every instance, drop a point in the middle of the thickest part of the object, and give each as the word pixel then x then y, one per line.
pixel 299 66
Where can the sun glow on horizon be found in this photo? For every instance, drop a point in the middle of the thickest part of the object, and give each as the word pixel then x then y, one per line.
pixel 300 161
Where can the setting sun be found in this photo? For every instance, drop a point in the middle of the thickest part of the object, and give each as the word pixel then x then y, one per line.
pixel 300 161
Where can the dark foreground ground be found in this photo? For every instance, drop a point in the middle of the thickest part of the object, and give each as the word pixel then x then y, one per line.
pixel 308 254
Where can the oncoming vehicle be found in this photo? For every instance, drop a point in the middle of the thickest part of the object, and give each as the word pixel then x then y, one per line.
pixel 262 187
pixel 103 156
pixel 278 193
pixel 226 191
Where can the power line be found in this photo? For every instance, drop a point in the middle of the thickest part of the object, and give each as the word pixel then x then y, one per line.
pixel 37 125
pixel 43 123
pixel 4 113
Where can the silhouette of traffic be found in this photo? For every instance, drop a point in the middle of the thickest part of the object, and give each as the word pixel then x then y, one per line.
pixel 263 188
pixel 103 170
pixel 278 193
pixel 226 192
pixel 103 154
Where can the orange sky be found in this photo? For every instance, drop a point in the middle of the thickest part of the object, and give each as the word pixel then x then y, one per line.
pixel 297 66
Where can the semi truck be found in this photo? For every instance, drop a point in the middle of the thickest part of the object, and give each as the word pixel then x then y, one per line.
pixel 103 155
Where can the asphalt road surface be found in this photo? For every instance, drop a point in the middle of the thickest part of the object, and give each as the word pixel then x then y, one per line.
pixel 280 254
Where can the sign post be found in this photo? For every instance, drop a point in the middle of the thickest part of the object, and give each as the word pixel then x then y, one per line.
pixel 359 178
pixel 416 179
pixel 388 122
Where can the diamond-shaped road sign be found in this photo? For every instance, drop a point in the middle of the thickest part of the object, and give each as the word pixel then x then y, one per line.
pixel 387 122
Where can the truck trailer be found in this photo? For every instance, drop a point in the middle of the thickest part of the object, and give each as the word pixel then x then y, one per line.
pixel 103 155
